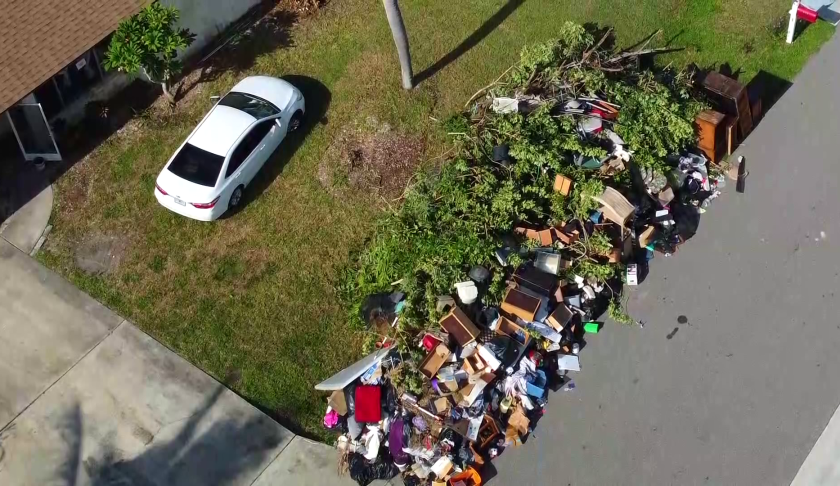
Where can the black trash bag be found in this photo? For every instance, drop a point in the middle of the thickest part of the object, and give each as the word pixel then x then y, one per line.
pixel 452 436
pixel 463 456
pixel 479 274
pixel 389 399
pixel 501 153
pixel 506 350
pixel 364 472
pixel 477 408
pixel 414 481
pixel 378 307
pixel 350 398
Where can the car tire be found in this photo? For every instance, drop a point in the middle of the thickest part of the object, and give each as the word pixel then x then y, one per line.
pixel 235 199
pixel 296 122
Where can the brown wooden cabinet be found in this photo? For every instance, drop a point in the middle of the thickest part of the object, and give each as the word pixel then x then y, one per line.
pixel 711 133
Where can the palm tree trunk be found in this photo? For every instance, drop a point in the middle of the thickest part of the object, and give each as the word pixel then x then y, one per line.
pixel 395 20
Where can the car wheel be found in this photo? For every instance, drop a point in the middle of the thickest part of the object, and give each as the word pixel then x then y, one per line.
pixel 235 199
pixel 296 121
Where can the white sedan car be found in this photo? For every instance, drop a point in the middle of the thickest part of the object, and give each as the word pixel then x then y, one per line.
pixel 207 174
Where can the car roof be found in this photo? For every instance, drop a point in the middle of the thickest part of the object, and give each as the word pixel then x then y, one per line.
pixel 274 90
pixel 221 129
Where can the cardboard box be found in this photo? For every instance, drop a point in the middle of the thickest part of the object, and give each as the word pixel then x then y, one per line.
pixel 459 326
pixel 519 421
pixel 520 304
pixel 338 402
pixel 647 237
pixel 448 385
pixel 473 365
pixel 442 467
pixel 471 392
pixel 490 360
pixel 558 294
pixel 440 405
pixel 513 331
pixel 615 206
pixel 544 237
pixel 562 184
pixel 567 238
pixel 666 196
pixel 512 438
pixel 434 360
pixel 560 317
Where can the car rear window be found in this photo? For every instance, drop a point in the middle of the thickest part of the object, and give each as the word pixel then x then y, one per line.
pixel 197 166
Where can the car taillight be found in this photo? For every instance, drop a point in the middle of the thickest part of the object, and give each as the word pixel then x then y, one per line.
pixel 206 205
pixel 161 190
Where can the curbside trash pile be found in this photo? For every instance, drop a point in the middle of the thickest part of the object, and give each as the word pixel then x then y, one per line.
pixel 571 172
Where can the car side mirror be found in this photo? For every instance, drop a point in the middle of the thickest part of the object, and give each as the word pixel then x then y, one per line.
pixel 277 121
pixel 215 99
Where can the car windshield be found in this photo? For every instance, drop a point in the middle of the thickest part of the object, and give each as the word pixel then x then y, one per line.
pixel 250 104
pixel 197 166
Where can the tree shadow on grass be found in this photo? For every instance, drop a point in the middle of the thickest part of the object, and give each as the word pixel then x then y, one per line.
pixel 263 30
pixel 221 454
pixel 317 98
pixel 473 40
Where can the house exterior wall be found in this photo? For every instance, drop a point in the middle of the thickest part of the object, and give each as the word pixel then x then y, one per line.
pixel 208 18
pixel 205 18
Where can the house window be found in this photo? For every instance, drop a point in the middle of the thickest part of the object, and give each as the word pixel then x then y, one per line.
pixel 73 81
pixel 47 95
pixel 78 77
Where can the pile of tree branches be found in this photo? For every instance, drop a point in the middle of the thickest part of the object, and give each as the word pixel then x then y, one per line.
pixel 457 217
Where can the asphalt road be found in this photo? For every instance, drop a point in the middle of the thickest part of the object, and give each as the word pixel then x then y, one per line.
pixel 738 394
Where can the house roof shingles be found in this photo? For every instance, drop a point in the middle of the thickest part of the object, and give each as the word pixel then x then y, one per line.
pixel 40 37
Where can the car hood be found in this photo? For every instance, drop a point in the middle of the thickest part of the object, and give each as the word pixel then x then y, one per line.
pixel 184 189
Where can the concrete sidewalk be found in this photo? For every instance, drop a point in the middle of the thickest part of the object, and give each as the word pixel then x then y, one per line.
pixel 25 227
pixel 738 391
pixel 86 398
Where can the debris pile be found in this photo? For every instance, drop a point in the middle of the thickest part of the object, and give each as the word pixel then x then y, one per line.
pixel 479 294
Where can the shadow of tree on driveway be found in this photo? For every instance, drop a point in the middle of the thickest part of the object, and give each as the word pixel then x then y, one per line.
pixel 223 454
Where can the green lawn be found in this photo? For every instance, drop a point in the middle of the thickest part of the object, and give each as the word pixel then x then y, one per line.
pixel 250 299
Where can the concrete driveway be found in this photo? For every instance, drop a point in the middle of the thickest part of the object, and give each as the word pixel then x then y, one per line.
pixel 86 398
pixel 739 393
